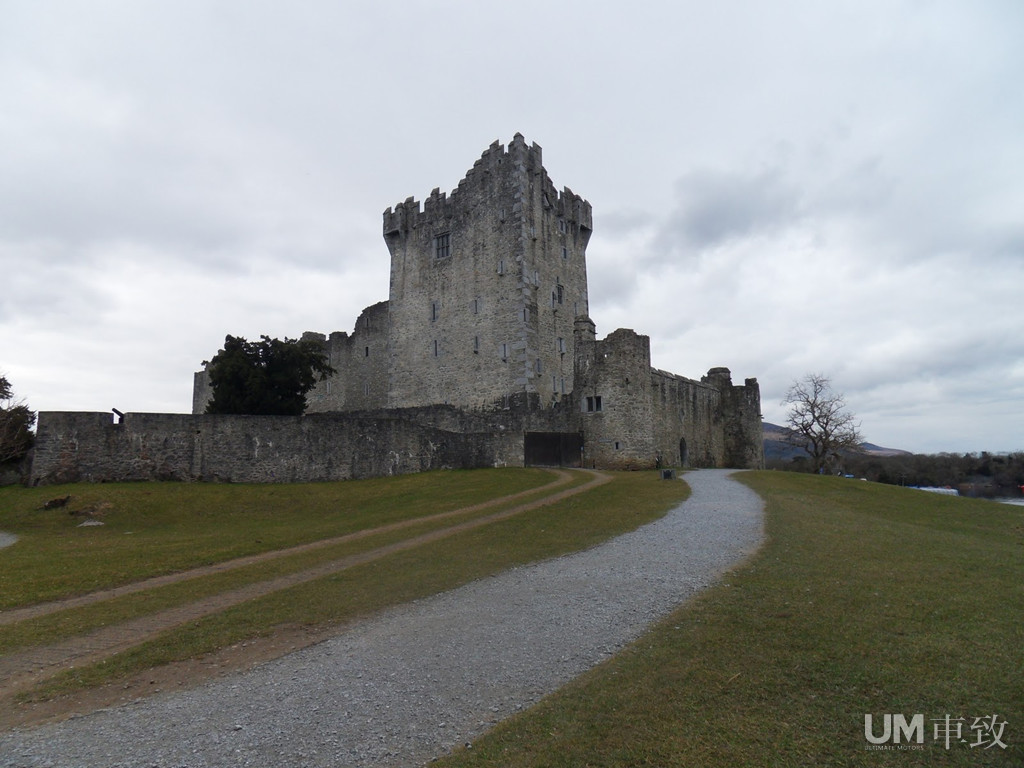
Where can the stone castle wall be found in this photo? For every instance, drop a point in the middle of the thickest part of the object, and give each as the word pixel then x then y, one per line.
pixel 635 416
pixel 361 362
pixel 94 447
pixel 689 432
pixel 613 397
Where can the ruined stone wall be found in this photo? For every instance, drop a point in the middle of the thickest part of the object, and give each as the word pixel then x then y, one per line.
pixel 508 415
pixel 472 280
pixel 614 399
pixel 92 447
pixel 361 362
pixel 688 431
pixel 201 392
pixel 708 423
pixel 743 425
pixel 635 416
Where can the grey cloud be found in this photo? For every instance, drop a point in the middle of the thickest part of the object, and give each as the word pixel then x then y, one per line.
pixel 714 207
pixel 624 223
pixel 45 284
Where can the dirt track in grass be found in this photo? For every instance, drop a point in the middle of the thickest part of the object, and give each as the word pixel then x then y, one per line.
pixel 22 670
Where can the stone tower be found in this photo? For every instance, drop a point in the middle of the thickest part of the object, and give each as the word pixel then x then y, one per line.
pixel 485 285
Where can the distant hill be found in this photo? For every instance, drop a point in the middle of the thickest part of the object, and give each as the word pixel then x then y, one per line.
pixel 777 448
pixel 876 450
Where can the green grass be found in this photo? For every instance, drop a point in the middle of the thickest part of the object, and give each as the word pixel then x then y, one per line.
pixel 630 500
pixel 865 599
pixel 152 529
pixel 74 621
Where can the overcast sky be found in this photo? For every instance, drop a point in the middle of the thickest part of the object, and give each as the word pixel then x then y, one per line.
pixel 780 187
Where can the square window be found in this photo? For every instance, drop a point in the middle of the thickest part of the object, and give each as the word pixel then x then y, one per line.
pixel 442 246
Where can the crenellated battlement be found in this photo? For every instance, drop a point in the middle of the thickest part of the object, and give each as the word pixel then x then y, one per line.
pixel 495 165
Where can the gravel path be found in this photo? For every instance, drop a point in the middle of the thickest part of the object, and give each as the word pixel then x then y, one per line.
pixel 424 677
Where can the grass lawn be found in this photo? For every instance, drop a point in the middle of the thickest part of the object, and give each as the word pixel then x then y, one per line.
pixel 70 621
pixel 865 599
pixel 156 528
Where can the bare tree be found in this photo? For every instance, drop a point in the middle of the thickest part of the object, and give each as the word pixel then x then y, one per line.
pixel 819 422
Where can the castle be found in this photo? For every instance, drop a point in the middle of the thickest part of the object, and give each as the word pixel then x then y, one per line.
pixel 483 354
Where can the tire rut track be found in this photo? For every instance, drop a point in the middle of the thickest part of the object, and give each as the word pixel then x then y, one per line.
pixel 23 669
pixel 14 615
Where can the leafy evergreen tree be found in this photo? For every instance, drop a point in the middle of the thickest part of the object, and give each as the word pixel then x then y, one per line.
pixel 16 422
pixel 269 377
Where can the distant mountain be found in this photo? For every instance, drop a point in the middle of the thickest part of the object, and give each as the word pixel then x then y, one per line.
pixel 876 450
pixel 777 447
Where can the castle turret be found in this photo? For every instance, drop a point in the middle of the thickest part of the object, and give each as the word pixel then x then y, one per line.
pixel 740 413
pixel 584 329
pixel 613 397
